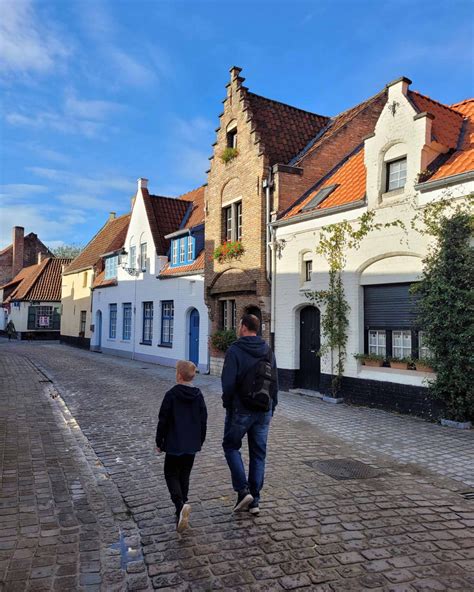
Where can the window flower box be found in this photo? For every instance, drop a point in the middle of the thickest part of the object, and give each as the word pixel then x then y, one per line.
pixel 423 365
pixel 370 359
pixel 228 251
pixel 400 363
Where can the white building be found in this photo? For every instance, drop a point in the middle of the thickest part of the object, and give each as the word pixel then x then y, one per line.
pixel 148 302
pixel 420 151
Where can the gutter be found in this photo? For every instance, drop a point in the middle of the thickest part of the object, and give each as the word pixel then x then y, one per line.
pixel 440 183
pixel 184 231
pixel 319 213
pixel 267 184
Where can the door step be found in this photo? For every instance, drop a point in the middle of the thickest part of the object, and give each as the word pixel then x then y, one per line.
pixel 306 392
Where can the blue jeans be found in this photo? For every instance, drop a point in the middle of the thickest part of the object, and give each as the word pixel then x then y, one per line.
pixel 256 425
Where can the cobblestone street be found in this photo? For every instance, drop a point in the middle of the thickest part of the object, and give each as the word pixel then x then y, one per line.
pixel 84 506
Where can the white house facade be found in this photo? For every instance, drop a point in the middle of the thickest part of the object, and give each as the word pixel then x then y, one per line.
pixel 139 309
pixel 420 152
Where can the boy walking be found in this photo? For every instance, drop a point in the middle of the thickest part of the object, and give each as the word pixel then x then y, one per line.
pixel 181 432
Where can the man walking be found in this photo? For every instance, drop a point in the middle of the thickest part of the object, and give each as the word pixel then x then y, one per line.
pixel 250 395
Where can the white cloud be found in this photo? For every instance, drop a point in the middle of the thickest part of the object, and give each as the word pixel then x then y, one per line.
pixel 20 190
pixel 94 184
pixel 86 109
pixel 129 69
pixel 26 43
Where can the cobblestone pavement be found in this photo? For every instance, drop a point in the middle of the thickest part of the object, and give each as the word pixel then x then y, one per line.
pixel 409 529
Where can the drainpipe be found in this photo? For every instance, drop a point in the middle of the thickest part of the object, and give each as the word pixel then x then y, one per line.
pixel 273 286
pixel 268 185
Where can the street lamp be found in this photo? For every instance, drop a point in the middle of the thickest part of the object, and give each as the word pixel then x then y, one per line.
pixel 123 262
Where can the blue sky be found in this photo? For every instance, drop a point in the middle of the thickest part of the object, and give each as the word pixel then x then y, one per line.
pixel 98 93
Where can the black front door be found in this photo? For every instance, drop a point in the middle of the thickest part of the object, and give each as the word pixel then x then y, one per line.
pixel 310 342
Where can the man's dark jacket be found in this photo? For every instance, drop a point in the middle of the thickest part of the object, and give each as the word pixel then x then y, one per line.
pixel 182 421
pixel 240 358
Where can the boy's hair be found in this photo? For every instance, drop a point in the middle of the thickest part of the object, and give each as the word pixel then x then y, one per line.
pixel 187 370
pixel 251 322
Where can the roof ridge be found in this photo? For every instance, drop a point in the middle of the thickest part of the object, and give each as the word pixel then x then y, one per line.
pixel 287 105
pixel 463 102
pixel 42 265
pixel 190 191
pixel 416 92
pixel 370 99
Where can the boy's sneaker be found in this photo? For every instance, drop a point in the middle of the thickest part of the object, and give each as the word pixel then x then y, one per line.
pixel 183 518
pixel 244 499
pixel 254 508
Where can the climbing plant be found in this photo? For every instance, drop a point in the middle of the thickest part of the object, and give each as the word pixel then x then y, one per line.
pixel 335 240
pixel 446 303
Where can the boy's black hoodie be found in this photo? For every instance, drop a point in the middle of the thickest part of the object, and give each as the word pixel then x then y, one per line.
pixel 182 421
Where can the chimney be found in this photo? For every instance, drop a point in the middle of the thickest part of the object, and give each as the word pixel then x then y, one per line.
pixel 40 257
pixel 142 183
pixel 18 249
pixel 112 216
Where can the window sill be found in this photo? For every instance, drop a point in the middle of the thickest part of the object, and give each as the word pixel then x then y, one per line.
pixel 125 340
pixel 394 194
pixel 111 339
pixel 168 345
pixel 413 377
pixel 145 342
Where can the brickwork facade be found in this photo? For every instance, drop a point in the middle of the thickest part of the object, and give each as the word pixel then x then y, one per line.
pixel 23 252
pixel 240 180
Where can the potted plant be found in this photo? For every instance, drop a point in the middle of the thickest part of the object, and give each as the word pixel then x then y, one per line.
pixel 424 364
pixel 370 359
pixel 399 363
pixel 229 154
pixel 223 339
pixel 228 251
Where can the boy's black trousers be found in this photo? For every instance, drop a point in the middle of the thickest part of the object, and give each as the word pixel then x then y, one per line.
pixel 177 473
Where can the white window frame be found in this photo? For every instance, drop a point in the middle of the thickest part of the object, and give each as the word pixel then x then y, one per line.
pixel 143 253
pixel 182 251
pixel 396 177
pixel 174 253
pixel 404 347
pixel 423 350
pixel 377 342
pixel 190 248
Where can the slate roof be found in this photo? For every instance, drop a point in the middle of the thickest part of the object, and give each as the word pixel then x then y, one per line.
pixel 38 282
pixel 283 129
pixel 109 238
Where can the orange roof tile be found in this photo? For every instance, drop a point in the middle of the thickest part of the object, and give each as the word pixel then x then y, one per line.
pixel 39 282
pixel 196 215
pixel 196 266
pixel 165 215
pixel 109 238
pixel 101 282
pixel 462 160
pixel 350 179
pixel 447 122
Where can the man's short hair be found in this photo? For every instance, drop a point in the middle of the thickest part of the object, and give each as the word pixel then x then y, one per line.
pixel 187 370
pixel 251 322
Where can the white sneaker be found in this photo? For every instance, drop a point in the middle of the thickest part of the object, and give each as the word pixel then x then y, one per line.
pixel 183 518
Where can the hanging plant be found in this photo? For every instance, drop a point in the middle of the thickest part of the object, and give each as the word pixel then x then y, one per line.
pixel 229 154
pixel 228 251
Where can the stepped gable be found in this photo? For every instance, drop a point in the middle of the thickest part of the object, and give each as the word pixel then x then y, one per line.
pixel 462 160
pixel 165 215
pixel 447 121
pixel 109 238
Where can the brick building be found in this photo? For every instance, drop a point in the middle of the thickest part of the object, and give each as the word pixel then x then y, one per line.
pixel 23 252
pixel 265 156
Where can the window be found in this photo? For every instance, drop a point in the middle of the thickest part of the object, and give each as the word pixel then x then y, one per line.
pixel 308 270
pixel 320 196
pixel 82 322
pixel 190 248
pixel 401 344
pixel 167 321
pixel 132 262
pixel 112 321
pixel 143 256
pixel 238 208
pixel 44 317
pixel 228 314
pixel 232 138
pixel 423 350
pixel 233 222
pixel 228 223
pixel 377 343
pixel 182 251
pixel 84 279
pixel 147 335
pixel 174 256
pixel 396 174
pixel 111 267
pixel 127 321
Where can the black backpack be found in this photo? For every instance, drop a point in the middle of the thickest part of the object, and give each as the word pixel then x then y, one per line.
pixel 257 386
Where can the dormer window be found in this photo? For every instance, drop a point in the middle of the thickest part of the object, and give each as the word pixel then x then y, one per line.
pixel 396 174
pixel 182 250
pixel 174 256
pixel 111 267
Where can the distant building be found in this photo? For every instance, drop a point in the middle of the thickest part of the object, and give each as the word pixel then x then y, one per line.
pixel 32 299
pixel 78 278
pixel 23 252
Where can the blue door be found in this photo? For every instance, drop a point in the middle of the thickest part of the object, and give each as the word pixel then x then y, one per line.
pixel 194 336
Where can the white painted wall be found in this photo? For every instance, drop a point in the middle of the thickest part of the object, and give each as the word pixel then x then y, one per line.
pixel 187 292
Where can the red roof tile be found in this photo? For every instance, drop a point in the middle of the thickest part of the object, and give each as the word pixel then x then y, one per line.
pixel 101 282
pixel 109 238
pixel 196 216
pixel 39 282
pixel 447 122
pixel 350 180
pixel 165 215
pixel 284 130
pixel 196 266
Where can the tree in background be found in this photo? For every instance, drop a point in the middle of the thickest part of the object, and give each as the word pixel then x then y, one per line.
pixel 67 251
